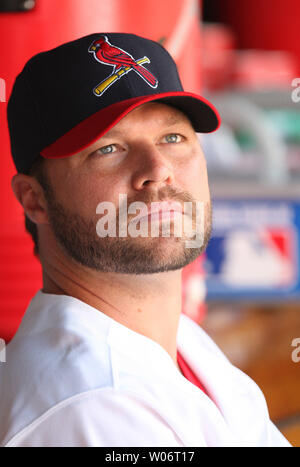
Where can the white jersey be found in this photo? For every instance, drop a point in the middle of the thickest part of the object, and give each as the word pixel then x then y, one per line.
pixel 75 377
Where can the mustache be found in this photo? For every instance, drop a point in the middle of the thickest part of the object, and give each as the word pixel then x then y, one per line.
pixel 164 194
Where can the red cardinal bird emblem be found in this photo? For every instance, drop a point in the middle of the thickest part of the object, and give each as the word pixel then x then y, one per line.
pixel 123 63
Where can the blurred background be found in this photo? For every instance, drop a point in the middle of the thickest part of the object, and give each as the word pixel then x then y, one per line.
pixel 245 58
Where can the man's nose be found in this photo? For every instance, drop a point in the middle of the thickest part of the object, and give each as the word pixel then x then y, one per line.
pixel 153 169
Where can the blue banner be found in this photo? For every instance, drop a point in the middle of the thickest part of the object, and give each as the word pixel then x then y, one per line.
pixel 254 252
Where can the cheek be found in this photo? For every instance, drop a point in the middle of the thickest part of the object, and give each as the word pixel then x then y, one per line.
pixel 89 192
pixel 81 190
pixel 194 177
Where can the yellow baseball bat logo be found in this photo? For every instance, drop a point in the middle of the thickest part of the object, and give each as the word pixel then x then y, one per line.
pixel 100 88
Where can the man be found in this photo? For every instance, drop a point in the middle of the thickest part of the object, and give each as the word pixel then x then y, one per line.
pixel 105 144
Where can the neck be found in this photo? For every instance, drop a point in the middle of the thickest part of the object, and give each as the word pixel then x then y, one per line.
pixel 149 304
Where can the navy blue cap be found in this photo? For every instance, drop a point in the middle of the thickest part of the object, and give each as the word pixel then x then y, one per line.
pixel 67 98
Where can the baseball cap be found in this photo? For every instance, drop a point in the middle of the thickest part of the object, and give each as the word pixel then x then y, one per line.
pixel 66 98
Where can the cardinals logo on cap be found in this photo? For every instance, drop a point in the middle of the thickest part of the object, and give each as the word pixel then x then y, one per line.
pixel 123 63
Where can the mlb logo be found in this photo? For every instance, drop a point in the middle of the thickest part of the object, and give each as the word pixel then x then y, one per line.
pixel 253 258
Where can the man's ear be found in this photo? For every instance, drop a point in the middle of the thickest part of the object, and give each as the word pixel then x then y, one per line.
pixel 30 195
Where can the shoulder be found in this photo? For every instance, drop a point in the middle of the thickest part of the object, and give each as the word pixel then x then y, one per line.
pixel 48 366
pixel 101 417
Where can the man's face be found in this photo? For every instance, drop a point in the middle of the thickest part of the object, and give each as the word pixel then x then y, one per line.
pixel 151 155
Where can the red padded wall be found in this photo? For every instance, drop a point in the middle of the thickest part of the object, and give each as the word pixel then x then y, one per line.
pixel 267 24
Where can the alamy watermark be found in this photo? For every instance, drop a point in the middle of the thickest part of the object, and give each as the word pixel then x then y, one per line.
pixel 158 214
pixel 2 90
pixel 296 91
pixel 296 352
pixel 2 351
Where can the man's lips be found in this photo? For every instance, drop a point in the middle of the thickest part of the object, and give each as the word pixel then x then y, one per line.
pixel 159 211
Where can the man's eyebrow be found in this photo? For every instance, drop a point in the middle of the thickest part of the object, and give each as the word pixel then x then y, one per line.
pixel 114 132
pixel 174 120
pixel 169 121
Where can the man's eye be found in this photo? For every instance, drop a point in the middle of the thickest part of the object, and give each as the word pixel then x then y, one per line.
pixel 107 149
pixel 173 138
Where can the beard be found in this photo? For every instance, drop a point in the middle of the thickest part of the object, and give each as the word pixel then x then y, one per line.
pixel 78 238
